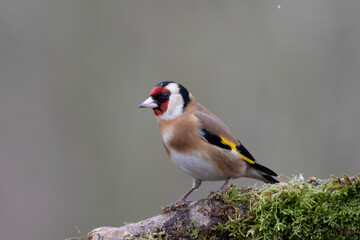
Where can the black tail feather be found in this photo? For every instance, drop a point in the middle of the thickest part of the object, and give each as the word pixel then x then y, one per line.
pixel 265 173
pixel 264 169
pixel 270 179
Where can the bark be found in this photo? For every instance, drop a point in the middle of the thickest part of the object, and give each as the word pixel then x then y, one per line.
pixel 204 214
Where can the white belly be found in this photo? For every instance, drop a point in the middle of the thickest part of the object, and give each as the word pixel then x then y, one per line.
pixel 195 166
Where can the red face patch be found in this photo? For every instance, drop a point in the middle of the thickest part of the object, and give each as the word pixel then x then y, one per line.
pixel 157 93
pixel 160 110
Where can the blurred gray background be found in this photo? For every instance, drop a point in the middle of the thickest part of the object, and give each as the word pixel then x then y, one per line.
pixel 76 151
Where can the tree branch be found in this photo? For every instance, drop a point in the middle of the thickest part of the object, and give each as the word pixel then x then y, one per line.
pixel 215 217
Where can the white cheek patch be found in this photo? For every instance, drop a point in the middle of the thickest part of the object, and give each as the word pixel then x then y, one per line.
pixel 176 103
pixel 173 87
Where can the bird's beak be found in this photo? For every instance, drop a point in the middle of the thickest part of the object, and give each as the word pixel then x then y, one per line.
pixel 149 103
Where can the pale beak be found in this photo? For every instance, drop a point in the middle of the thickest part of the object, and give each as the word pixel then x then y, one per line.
pixel 149 103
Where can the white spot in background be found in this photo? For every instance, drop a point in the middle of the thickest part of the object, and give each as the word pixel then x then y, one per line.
pixel 278 4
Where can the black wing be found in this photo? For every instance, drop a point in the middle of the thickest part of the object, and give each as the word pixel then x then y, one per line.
pixel 216 140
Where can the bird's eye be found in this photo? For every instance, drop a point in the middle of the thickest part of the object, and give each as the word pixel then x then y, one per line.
pixel 166 95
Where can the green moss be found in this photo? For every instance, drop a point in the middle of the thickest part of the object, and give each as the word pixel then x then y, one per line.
pixel 292 210
pixel 193 231
pixel 295 210
pixel 160 235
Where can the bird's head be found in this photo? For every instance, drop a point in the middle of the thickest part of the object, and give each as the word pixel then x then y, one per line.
pixel 168 100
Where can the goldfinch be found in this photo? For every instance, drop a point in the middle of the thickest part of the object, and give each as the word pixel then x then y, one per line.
pixel 198 142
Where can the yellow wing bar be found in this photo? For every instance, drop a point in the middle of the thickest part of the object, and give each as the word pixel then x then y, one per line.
pixel 234 148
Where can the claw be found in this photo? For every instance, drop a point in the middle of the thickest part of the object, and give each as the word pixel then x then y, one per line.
pixel 181 201
pixel 221 190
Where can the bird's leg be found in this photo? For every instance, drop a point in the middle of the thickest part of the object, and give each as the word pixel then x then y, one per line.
pixel 196 185
pixel 222 189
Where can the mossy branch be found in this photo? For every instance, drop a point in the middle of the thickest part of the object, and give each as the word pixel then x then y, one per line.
pixel 316 209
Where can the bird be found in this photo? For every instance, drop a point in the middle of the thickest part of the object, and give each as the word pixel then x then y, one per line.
pixel 198 142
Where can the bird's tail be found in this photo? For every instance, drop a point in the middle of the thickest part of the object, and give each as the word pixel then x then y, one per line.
pixel 266 173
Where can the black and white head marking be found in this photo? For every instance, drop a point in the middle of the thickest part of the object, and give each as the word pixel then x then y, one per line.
pixel 182 90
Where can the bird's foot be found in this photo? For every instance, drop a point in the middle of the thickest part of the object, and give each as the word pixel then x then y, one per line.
pixel 175 205
pixel 220 191
pixel 213 195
